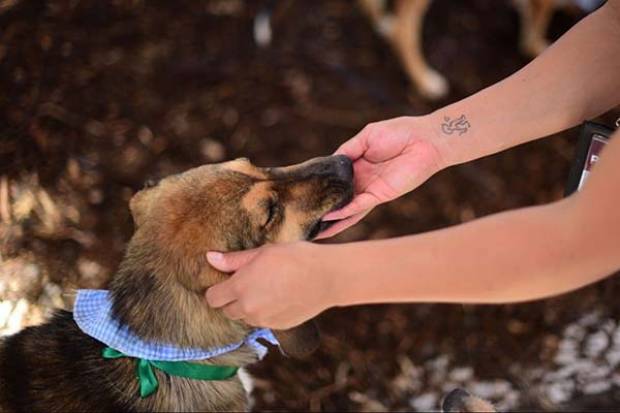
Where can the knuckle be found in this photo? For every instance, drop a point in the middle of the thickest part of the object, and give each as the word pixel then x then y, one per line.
pixel 247 308
pixel 368 129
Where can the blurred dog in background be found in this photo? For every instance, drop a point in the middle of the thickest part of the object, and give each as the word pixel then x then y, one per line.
pixel 403 30
pixel 401 26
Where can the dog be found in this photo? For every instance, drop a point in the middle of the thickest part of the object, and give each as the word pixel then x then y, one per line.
pixel 158 290
pixel 403 31
pixel 401 26
pixel 461 401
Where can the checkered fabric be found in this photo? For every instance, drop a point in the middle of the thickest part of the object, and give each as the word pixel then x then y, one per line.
pixel 93 315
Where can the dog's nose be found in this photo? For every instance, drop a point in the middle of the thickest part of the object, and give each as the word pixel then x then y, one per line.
pixel 343 168
pixel 337 167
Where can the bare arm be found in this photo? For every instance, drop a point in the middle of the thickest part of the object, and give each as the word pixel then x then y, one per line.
pixel 513 256
pixel 577 78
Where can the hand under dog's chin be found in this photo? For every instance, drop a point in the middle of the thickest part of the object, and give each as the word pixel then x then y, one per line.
pixel 323 225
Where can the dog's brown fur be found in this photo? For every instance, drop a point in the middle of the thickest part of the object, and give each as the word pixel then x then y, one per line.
pixel 159 288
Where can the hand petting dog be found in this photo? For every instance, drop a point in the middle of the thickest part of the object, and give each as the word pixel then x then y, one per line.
pixel 276 286
pixel 390 158
pixel 281 286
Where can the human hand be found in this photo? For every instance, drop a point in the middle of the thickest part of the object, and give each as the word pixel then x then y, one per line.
pixel 390 158
pixel 275 286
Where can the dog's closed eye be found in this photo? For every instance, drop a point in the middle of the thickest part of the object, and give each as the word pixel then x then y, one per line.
pixel 272 210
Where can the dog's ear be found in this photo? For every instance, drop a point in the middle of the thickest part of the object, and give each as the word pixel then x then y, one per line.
pixel 137 208
pixel 300 341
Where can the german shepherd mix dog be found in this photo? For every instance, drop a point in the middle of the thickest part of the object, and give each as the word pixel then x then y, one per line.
pixel 158 291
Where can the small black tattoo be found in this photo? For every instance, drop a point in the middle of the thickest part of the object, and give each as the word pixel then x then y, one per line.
pixel 460 125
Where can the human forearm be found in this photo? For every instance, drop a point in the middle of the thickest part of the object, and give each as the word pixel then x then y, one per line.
pixel 575 79
pixel 514 256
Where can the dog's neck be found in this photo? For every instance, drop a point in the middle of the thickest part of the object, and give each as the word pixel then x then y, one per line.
pixel 148 297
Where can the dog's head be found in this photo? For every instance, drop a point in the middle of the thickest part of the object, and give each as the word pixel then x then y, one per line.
pixel 236 205
pixel 227 207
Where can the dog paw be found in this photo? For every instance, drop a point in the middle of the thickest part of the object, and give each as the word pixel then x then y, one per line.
pixel 385 26
pixel 433 85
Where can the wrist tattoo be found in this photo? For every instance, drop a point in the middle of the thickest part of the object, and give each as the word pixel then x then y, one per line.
pixel 460 125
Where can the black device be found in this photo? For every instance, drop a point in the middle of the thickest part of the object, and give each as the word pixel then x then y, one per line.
pixel 592 139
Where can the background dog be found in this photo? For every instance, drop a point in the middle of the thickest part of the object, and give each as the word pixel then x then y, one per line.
pixel 159 288
pixel 402 27
pixel 403 31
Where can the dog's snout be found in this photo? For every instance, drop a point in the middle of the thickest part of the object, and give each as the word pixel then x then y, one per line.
pixel 344 168
pixel 339 167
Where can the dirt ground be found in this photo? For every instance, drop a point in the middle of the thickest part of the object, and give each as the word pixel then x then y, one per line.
pixel 95 97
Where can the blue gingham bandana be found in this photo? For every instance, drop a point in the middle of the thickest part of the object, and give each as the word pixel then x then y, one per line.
pixel 92 313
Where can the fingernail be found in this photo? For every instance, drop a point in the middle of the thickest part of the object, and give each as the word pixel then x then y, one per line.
pixel 215 256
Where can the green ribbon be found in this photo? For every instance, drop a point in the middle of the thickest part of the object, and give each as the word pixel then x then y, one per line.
pixel 148 380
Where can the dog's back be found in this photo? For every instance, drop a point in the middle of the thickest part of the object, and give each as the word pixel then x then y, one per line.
pixel 54 367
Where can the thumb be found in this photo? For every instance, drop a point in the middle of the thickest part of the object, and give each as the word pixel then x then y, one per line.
pixel 355 147
pixel 231 261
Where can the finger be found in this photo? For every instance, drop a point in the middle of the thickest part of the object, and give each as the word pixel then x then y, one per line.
pixel 231 261
pixel 355 147
pixel 360 203
pixel 342 225
pixel 221 294
pixel 259 323
pixel 233 311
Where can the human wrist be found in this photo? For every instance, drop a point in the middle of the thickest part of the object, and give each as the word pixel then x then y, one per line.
pixel 424 139
pixel 447 150
pixel 335 275
pixel 351 281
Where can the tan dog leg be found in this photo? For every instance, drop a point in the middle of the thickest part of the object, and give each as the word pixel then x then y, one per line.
pixel 535 18
pixel 407 40
pixel 404 33
pixel 375 9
